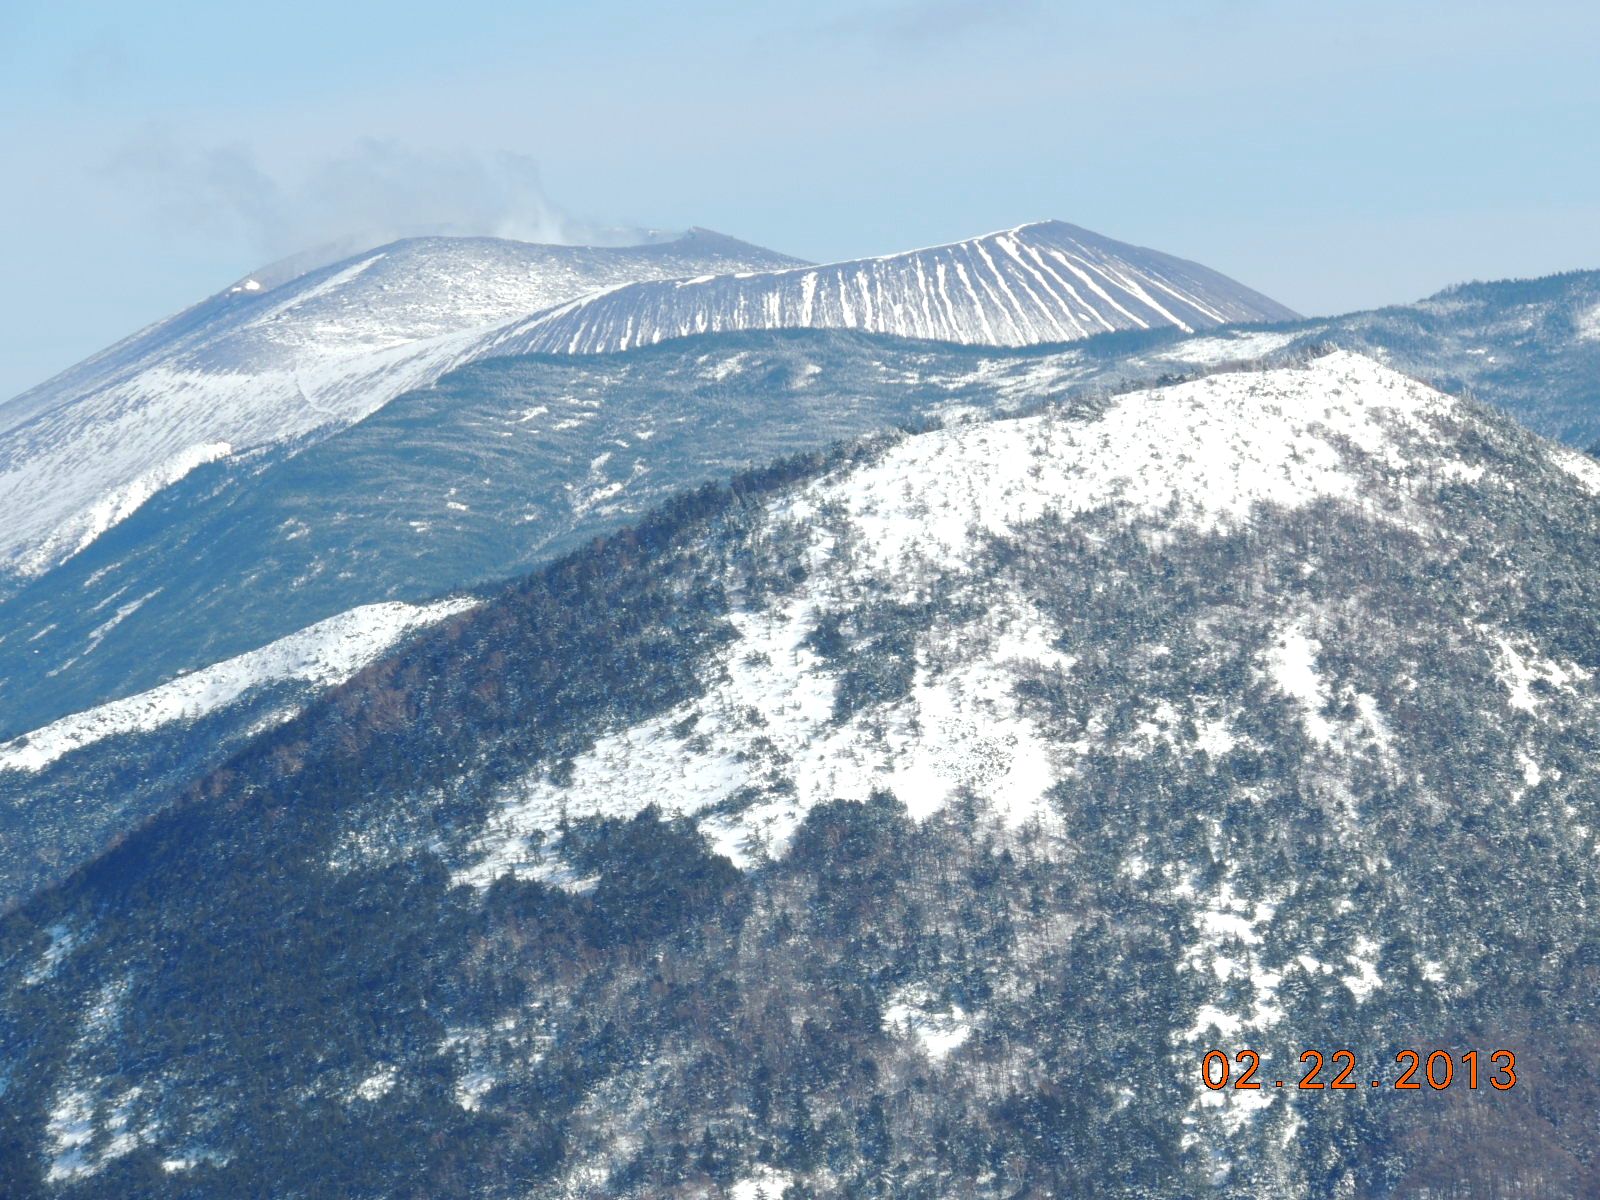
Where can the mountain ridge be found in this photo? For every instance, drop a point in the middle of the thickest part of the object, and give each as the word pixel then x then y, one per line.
pixel 254 365
pixel 246 368
pixel 919 294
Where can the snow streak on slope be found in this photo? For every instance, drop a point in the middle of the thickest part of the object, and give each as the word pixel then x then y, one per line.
pixel 254 366
pixel 117 505
pixel 325 654
pixel 1047 282
pixel 766 742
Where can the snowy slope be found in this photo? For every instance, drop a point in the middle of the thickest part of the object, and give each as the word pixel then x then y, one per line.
pixel 256 365
pixel 326 654
pixel 1528 346
pixel 1198 458
pixel 1045 282
pixel 67 788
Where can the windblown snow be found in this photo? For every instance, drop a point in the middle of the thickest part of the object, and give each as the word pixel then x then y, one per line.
pixel 256 366
pixel 116 506
pixel 322 655
pixel 1046 282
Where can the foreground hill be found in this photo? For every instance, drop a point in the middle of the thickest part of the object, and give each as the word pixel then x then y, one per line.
pixel 906 821
pixel 1045 282
pixel 261 364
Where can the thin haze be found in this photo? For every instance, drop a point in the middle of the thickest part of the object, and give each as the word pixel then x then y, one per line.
pixel 1333 156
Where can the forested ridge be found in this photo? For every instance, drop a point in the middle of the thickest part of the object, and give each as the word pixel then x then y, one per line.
pixel 1318 779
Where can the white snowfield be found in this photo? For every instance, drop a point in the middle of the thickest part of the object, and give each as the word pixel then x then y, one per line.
pixel 1044 282
pixel 115 506
pixel 321 655
pixel 257 366
pixel 1194 458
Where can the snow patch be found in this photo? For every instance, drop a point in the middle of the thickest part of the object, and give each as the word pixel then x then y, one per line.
pixel 730 365
pixel 1231 931
pixel 913 1014
pixel 766 729
pixel 1520 669
pixel 766 1183
pixel 1291 665
pixel 1578 465
pixel 1363 979
pixel 62 940
pixel 376 1085
pixel 472 1087
pixel 1532 773
pixel 1227 957
pixel 70 1129
pixel 1217 350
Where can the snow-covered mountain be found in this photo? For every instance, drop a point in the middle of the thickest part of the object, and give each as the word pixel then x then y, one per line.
pixel 498 466
pixel 1045 282
pixel 908 819
pixel 506 463
pixel 263 364
pixel 257 366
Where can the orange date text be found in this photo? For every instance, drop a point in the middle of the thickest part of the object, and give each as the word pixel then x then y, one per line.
pixel 1412 1071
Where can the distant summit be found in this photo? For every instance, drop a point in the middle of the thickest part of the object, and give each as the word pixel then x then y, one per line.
pixel 271 359
pixel 1044 282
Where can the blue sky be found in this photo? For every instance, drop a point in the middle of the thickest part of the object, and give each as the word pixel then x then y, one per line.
pixel 1334 155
